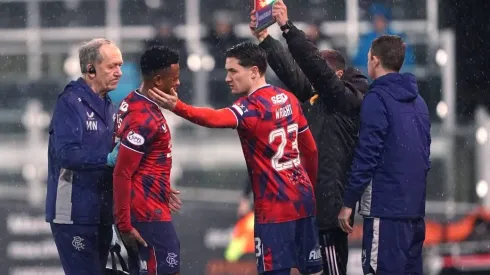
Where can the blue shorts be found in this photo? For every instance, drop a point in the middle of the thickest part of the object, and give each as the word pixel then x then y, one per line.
pixel 83 249
pixel 392 246
pixel 286 245
pixel 162 256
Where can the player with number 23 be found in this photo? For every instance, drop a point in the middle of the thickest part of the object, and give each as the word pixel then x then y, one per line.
pixel 281 158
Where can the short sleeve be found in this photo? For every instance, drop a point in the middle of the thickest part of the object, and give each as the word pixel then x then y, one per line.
pixel 246 113
pixel 138 133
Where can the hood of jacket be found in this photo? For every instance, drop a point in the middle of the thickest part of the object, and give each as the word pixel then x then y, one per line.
pixel 402 87
pixel 355 79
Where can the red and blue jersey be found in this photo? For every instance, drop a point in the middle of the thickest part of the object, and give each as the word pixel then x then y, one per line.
pixel 144 162
pixel 269 122
pixel 273 131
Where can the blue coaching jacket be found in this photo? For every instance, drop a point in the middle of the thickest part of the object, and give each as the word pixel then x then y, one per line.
pixel 391 162
pixel 80 137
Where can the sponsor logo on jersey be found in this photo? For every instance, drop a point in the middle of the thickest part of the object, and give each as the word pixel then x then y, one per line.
pixel 135 138
pixel 279 99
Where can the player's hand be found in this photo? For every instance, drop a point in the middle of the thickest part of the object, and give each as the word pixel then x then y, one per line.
pixel 164 100
pixel 280 12
pixel 344 219
pixel 112 156
pixel 174 203
pixel 132 239
pixel 243 207
pixel 253 22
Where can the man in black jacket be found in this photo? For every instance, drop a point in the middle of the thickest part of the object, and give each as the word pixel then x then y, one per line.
pixel 331 97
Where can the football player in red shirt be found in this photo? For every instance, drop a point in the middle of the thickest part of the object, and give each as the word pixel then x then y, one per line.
pixel 142 190
pixel 281 158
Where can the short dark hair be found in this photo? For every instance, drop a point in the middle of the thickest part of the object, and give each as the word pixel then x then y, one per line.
pixel 335 59
pixel 157 58
pixel 249 55
pixel 390 49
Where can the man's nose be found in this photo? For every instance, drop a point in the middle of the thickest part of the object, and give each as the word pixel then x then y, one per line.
pixel 118 71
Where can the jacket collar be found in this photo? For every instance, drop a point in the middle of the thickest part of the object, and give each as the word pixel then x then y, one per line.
pixel 96 103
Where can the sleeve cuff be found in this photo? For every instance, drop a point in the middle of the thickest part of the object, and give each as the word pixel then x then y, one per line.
pixel 124 227
pixel 350 199
pixel 292 33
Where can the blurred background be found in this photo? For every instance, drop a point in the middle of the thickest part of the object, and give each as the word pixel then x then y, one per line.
pixel 447 51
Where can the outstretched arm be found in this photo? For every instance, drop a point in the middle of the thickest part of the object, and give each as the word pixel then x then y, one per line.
pixel 282 63
pixel 323 78
pixel 207 117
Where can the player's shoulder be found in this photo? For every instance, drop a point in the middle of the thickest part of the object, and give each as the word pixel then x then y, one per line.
pixel 136 112
pixel 244 102
pixel 278 96
pixel 288 95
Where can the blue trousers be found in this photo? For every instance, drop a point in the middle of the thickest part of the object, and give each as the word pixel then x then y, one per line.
pixel 393 246
pixel 83 249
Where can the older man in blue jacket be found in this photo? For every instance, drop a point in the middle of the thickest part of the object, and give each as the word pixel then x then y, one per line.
pixel 80 156
pixel 390 165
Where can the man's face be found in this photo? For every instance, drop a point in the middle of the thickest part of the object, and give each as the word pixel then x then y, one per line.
pixel 109 69
pixel 239 78
pixel 168 79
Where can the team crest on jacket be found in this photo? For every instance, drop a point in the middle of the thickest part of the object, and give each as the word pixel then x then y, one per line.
pixel 135 138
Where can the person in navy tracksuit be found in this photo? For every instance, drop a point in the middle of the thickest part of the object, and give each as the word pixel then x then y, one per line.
pixel 81 153
pixel 390 166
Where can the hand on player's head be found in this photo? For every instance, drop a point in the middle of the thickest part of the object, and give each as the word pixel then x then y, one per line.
pixel 280 12
pixel 253 22
pixel 166 100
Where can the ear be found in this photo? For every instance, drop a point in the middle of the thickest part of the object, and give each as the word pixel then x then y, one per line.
pixel 87 69
pixel 376 61
pixel 339 73
pixel 157 80
pixel 255 72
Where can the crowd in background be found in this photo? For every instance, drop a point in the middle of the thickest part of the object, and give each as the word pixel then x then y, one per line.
pixel 221 35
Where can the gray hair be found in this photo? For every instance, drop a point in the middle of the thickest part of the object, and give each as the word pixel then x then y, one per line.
pixel 89 52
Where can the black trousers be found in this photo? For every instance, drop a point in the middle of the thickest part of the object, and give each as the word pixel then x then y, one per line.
pixel 335 251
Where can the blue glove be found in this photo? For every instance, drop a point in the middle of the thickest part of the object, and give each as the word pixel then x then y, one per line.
pixel 112 156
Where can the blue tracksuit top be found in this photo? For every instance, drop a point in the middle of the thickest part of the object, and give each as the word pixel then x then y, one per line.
pixel 391 161
pixel 80 137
